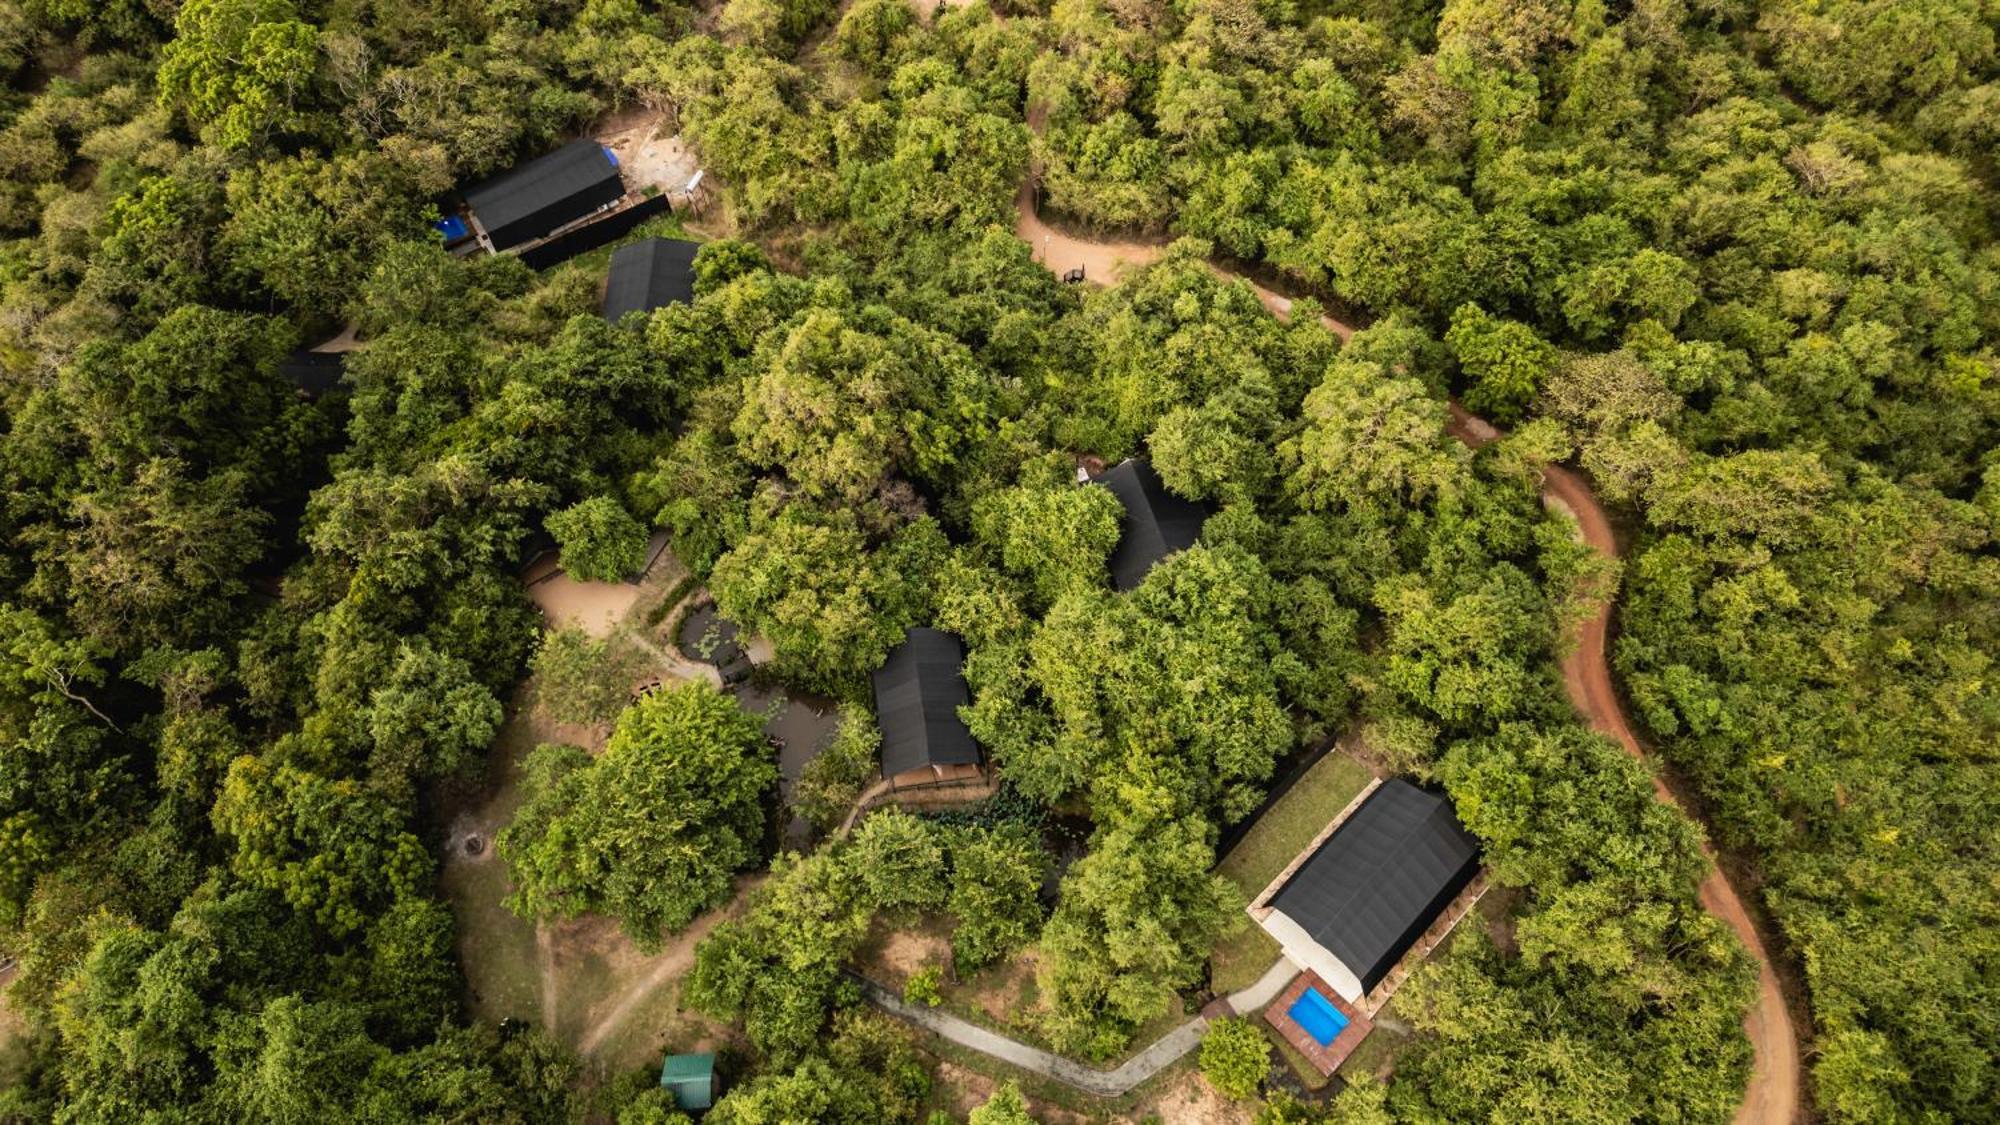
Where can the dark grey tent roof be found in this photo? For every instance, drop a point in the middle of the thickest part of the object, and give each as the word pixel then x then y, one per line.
pixel 530 201
pixel 315 373
pixel 647 274
pixel 1381 879
pixel 917 697
pixel 1157 523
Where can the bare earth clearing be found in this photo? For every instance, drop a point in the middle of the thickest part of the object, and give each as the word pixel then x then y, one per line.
pixel 583 980
pixel 594 607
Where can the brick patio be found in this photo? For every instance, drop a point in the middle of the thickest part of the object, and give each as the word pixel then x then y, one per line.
pixel 1329 1057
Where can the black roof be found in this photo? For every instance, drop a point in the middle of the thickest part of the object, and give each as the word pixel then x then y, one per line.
pixel 917 697
pixel 647 274
pixel 1157 523
pixel 530 201
pixel 315 373
pixel 1379 881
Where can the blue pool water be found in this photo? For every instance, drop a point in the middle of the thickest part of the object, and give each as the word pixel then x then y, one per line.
pixel 1318 1016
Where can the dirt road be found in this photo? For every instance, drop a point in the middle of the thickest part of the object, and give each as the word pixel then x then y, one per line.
pixel 1772 1097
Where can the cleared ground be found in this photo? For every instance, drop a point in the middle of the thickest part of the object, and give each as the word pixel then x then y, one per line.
pixel 583 980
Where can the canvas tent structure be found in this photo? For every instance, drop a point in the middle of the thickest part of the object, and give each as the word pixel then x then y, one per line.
pixel 918 692
pixel 1359 902
pixel 313 373
pixel 1156 524
pixel 647 275
pixel 690 1079
pixel 547 192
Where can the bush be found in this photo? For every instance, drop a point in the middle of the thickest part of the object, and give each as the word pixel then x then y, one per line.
pixel 832 782
pixel 922 987
pixel 1235 1057
pixel 600 540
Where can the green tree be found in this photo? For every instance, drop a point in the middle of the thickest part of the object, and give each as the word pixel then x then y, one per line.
pixel 650 832
pixel 779 968
pixel 831 608
pixel 239 69
pixel 1057 537
pixel 1506 361
pixel 584 679
pixel 600 540
pixel 334 851
pixel 1235 1057
pixel 996 880
pixel 1005 1107
pixel 431 718
pixel 896 858
pixel 1135 922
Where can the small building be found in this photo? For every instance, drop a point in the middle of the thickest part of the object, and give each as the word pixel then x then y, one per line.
pixel 690 1079
pixel 549 192
pixel 1157 523
pixel 918 692
pixel 313 373
pixel 648 274
pixel 1355 905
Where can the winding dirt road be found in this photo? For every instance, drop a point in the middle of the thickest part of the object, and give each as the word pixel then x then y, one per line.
pixel 1772 1096
pixel 1773 1093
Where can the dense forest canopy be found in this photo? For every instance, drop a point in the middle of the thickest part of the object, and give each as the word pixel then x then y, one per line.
pixel 1734 258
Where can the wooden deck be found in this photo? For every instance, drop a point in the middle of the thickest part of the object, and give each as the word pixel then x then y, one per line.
pixel 1329 1057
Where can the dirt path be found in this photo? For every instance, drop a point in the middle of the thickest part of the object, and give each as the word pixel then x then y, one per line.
pixel 1773 1092
pixel 1110 262
pixel 673 961
pixel 1772 1097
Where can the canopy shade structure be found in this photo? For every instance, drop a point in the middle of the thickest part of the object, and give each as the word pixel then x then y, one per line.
pixel 648 274
pixel 313 373
pixel 917 696
pixel 1358 903
pixel 545 193
pixel 1157 523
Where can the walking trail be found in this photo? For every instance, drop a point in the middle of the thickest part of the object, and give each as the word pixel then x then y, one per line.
pixel 1772 1097
pixel 1157 1056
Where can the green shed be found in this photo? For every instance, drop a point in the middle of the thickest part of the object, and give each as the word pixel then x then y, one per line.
pixel 691 1080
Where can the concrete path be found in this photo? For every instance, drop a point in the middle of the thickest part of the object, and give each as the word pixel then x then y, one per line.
pixel 1126 1077
pixel 1259 995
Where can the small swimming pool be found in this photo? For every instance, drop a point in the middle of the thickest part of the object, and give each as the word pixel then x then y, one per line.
pixel 1318 1016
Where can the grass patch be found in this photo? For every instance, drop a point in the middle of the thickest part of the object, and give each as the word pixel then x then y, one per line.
pixel 661 226
pixel 1277 837
pixel 1377 1054
pixel 496 947
pixel 1302 1067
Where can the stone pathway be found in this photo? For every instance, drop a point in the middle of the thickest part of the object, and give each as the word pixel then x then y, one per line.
pixel 1126 1077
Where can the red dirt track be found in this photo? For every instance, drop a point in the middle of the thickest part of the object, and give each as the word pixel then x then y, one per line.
pixel 1772 1097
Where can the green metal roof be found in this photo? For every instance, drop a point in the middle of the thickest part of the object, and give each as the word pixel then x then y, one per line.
pixel 691 1078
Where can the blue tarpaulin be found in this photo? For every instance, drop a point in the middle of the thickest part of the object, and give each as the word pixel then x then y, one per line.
pixel 452 227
